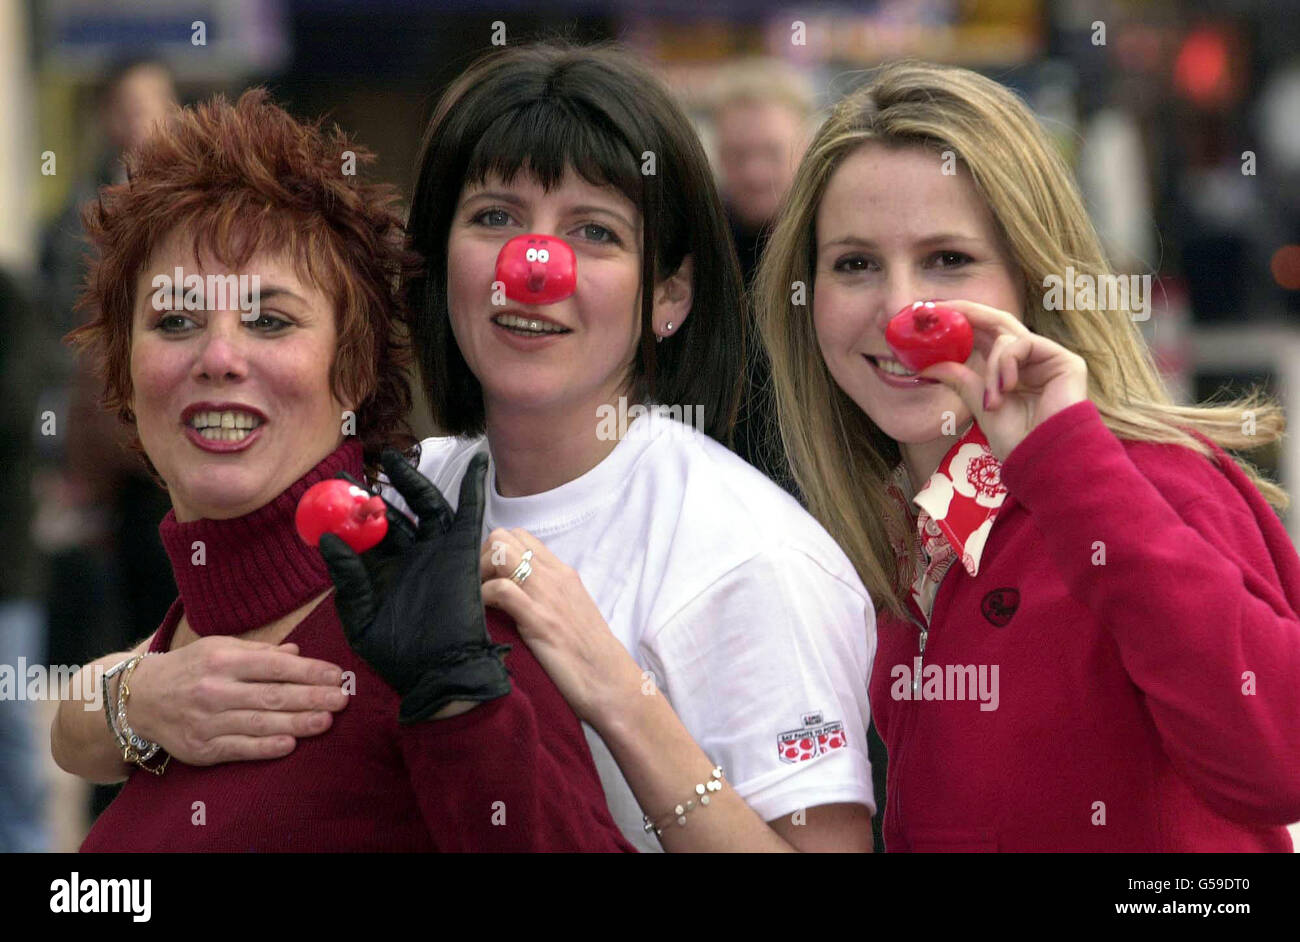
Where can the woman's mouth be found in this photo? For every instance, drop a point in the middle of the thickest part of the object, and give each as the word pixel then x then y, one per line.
pixel 227 430
pixel 528 326
pixel 893 373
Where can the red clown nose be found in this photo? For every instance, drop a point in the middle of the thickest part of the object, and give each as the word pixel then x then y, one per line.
pixel 537 269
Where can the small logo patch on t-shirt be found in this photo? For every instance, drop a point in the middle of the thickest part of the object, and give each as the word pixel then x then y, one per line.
pixel 811 740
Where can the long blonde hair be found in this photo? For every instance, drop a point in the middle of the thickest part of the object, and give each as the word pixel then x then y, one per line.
pixel 840 459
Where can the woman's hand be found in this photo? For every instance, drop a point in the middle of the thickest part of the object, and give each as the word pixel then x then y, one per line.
pixel 411 606
pixel 1027 378
pixel 222 699
pixel 561 625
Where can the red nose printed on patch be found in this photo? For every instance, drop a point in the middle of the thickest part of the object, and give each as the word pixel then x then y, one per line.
pixel 337 506
pixel 537 269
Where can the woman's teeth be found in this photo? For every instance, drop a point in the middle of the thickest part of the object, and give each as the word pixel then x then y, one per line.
pixel 225 434
pixel 524 325
pixel 224 426
pixel 893 367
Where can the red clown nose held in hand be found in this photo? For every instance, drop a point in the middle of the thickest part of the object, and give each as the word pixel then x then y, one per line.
pixel 336 506
pixel 925 333
pixel 537 269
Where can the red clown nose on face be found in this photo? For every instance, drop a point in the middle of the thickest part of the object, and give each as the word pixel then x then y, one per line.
pixel 537 269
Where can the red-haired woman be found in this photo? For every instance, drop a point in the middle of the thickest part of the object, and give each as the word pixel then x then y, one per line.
pixel 240 404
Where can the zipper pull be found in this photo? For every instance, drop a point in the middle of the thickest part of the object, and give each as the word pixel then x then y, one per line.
pixel 916 678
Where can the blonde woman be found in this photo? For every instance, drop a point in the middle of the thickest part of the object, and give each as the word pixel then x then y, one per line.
pixel 1088 636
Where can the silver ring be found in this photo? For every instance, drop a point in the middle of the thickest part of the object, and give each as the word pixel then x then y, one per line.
pixel 524 569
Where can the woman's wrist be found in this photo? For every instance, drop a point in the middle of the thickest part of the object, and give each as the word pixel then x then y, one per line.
pixel 139 714
pixel 626 708
pixel 615 697
pixel 455 708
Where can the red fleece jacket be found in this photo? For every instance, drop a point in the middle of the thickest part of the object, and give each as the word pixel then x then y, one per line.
pixel 1135 613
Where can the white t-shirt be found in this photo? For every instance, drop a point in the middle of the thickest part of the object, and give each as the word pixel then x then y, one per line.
pixel 752 620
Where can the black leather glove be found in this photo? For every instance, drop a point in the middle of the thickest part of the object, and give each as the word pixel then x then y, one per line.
pixel 412 607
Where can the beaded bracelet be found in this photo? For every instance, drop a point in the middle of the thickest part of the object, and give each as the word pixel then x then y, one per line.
pixel 134 748
pixel 702 790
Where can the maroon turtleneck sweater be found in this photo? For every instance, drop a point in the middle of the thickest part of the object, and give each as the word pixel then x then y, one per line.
pixel 514 774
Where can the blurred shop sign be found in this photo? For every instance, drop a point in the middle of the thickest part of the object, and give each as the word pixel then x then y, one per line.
pixel 984 32
pixel 202 40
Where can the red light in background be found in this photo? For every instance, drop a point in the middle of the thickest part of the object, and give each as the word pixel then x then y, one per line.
pixel 1285 266
pixel 1203 68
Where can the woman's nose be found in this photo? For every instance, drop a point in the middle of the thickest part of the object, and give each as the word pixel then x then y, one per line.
pixel 223 354
pixel 900 291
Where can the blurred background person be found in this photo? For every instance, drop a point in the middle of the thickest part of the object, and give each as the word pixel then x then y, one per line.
pixel 22 616
pixel 761 114
pixel 98 510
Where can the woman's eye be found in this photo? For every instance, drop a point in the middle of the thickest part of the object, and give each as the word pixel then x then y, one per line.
pixel 951 259
pixel 174 323
pixel 596 233
pixel 268 324
pixel 493 217
pixel 852 263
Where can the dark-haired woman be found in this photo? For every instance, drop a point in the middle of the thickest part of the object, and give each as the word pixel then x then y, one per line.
pixel 709 631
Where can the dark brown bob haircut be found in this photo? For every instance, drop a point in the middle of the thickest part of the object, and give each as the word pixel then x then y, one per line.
pixel 545 108
pixel 249 178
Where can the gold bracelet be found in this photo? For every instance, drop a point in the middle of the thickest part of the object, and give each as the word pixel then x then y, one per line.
pixel 712 784
pixel 136 749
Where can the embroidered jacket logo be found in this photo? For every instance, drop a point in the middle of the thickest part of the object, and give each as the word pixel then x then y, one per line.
pixel 999 605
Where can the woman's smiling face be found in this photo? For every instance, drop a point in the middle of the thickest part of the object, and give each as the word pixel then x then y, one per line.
pixel 590 360
pixel 268 377
pixel 894 228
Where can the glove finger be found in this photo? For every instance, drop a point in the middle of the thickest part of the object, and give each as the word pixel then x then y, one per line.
pixel 401 532
pixel 343 475
pixel 469 511
pixel 353 595
pixel 419 493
